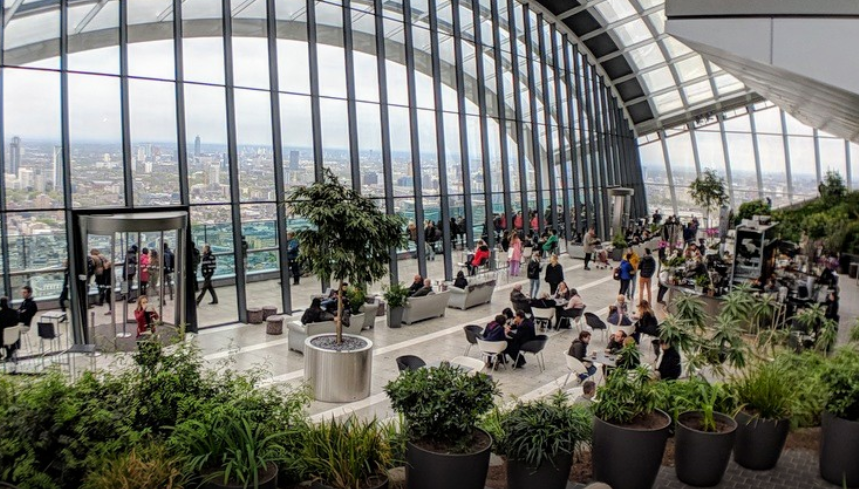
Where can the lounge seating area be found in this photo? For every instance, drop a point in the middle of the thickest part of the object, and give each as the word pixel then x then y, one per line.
pixel 426 307
pixel 475 294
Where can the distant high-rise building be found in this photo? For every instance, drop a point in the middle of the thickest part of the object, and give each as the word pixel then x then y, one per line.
pixel 213 174
pixel 198 146
pixel 14 156
pixel 293 160
pixel 26 178
pixel 141 154
pixel 57 167
pixel 371 178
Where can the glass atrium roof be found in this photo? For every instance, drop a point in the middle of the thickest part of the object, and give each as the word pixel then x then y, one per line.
pixel 662 82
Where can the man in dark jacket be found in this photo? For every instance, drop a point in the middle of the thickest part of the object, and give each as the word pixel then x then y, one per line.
pixel 534 269
pixel 209 262
pixel 129 270
pixel 579 351
pixel 646 270
pixel 196 258
pixel 519 300
pixel 417 284
pixel 521 333
pixel 669 367
pixel 292 257
pixel 425 290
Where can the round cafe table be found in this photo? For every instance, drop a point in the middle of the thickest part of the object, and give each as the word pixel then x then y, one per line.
pixel 604 360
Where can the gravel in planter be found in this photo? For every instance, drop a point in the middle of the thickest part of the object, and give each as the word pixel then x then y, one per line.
pixel 350 343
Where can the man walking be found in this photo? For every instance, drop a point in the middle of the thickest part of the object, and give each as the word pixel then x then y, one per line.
pixel 646 270
pixel 209 263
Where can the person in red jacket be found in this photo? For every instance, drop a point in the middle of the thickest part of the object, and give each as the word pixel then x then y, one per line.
pixel 145 316
pixel 481 255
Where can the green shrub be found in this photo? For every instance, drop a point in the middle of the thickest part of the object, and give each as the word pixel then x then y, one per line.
pixel 763 392
pixel 677 397
pixel 840 380
pixel 538 431
pixel 628 395
pixel 750 209
pixel 442 405
pixel 396 295
pixel 146 467
pixel 803 373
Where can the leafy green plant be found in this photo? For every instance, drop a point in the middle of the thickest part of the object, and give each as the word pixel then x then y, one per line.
pixel 854 332
pixel 619 241
pixel 350 238
pixel 627 396
pixel 762 391
pixel 357 296
pixel 396 295
pixel 803 373
pixel 228 447
pixel 813 319
pixel 832 188
pixel 751 209
pixel 147 467
pixel 840 380
pixel 442 405
pixel 346 454
pixel 708 191
pixel 702 281
pixel 538 431
pixel 677 397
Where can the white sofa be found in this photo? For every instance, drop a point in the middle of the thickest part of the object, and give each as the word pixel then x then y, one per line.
pixel 426 307
pixel 299 332
pixel 473 295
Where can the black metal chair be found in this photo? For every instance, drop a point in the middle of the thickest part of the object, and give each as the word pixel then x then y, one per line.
pixel 596 323
pixel 472 332
pixel 573 315
pixel 534 347
pixel 410 362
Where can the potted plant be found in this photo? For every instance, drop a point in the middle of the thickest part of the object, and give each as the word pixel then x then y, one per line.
pixel 357 298
pixel 619 245
pixel 441 407
pixel 350 454
pixel 839 447
pixel 629 431
pixel 349 239
pixel 764 420
pixel 539 438
pixel 708 191
pixel 704 437
pixel 228 450
pixel 396 295
pixel 701 282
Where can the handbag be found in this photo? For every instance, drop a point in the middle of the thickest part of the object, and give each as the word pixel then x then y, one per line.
pixel 616 274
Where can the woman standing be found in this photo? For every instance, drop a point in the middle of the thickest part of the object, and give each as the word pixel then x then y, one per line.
pixel 515 255
pixel 534 268
pixel 144 271
pixel 554 274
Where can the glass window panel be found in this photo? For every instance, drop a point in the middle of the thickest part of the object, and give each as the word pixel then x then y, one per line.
pixel 34 159
pixel 250 53
pixel 647 56
pixel 206 129
pixel 335 138
pixel 296 129
pixel 253 145
pixel 364 56
pixel 854 164
pixel 212 225
pixel 370 149
pixel 95 140
pixel 203 54
pixel 292 55
pixel 37 245
pixel 727 84
pixel 653 163
pixel 395 67
pixel 150 39
pixel 743 167
pixel 803 167
pixel 658 21
pixel 33 40
pixel 833 157
pixel 633 32
pixel 698 92
pixel 97 53
pixel 153 142
pixel 768 121
pixel 331 56
pixel 259 227
pixel 667 102
pixel 796 128
pixel 674 47
pixel 710 151
pixel 469 66
pixel 690 69
pixel 659 79
pixel 773 173
pixel 452 154
pixel 429 153
pixel 614 10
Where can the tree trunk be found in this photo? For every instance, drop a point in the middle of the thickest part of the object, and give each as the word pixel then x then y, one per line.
pixel 338 332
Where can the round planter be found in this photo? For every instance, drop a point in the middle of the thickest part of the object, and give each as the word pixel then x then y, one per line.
pixel 431 470
pixel 379 483
pixel 839 451
pixel 759 442
pixel 549 475
pixel 627 458
pixel 267 480
pixel 395 317
pixel 700 457
pixel 338 376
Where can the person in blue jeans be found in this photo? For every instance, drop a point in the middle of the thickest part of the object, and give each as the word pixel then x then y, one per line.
pixel 626 274
pixel 534 269
pixel 579 351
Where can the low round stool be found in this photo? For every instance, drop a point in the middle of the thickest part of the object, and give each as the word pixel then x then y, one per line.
pixel 268 311
pixel 274 325
pixel 255 315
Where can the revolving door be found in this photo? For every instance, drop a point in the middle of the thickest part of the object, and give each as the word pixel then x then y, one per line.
pixel 133 279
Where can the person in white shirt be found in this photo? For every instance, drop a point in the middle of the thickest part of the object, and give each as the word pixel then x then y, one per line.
pixel 663 279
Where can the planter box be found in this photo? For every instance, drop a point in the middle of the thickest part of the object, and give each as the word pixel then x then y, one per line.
pixel 759 441
pixel 839 451
pixel 627 458
pixel 338 376
pixel 549 475
pixel 702 457
pixel 432 470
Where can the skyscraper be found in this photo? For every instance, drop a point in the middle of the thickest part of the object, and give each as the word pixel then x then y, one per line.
pixel 293 160
pixel 14 156
pixel 198 146
pixel 56 176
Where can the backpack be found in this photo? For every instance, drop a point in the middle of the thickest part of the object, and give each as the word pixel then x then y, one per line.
pixel 616 273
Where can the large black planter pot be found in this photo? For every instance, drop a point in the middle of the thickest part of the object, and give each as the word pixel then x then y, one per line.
pixel 839 451
pixel 267 480
pixel 759 441
pixel 395 317
pixel 627 458
pixel 431 470
pixel 381 483
pixel 700 458
pixel 549 475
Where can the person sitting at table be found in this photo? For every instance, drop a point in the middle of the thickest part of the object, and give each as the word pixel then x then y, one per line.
pixel 669 367
pixel 425 290
pixel 616 318
pixel 417 284
pixel 315 313
pixel 544 302
pixel 481 255
pixel 628 357
pixel 579 351
pixel 520 333
pixel 562 297
pixel 646 323
pixel 621 304
pixel 615 344
pixel 509 314
pixel 460 282
pixel 495 330
pixel 573 308
pixel 517 297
